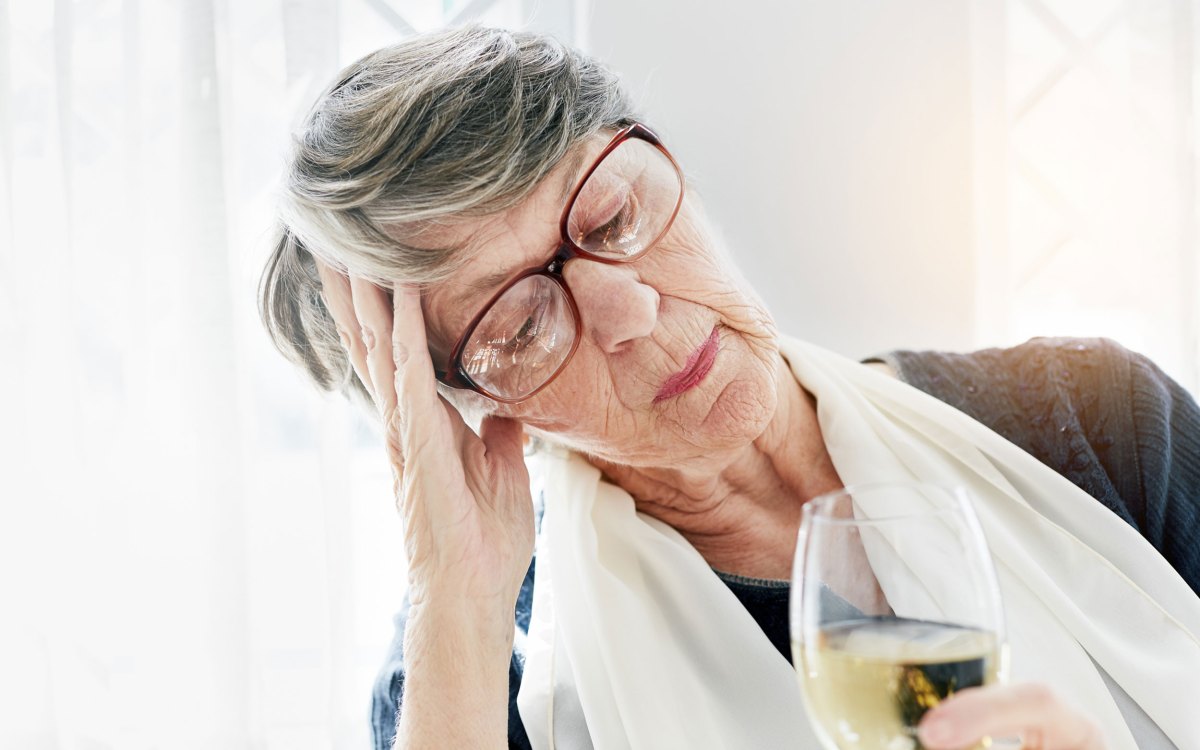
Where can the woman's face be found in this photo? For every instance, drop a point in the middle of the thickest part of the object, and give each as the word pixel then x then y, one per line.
pixel 630 395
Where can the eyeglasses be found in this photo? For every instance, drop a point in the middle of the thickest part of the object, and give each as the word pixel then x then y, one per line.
pixel 525 335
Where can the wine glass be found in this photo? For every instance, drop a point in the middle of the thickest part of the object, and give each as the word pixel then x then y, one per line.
pixel 894 607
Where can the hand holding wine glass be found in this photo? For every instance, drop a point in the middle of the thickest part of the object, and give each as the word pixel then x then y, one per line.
pixel 1033 711
pixel 895 607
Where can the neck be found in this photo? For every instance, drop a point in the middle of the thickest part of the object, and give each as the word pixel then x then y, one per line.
pixel 741 509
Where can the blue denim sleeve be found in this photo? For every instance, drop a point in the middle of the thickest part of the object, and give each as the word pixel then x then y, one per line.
pixel 389 686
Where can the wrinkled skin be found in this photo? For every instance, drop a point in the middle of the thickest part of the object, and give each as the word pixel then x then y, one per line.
pixel 728 463
pixel 641 321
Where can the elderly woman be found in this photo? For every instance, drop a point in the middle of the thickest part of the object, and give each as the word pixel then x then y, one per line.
pixel 481 238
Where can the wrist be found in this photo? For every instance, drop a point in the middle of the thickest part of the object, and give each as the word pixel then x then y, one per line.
pixel 449 603
pixel 477 632
pixel 456 676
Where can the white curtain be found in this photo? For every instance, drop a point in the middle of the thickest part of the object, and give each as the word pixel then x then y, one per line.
pixel 196 549
pixel 1085 171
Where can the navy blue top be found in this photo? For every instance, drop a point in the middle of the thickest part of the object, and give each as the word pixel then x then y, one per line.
pixel 1104 417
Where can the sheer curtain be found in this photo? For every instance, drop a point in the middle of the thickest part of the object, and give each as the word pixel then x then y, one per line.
pixel 196 548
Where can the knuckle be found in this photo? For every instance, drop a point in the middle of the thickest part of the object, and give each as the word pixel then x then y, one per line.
pixel 414 387
pixel 388 412
pixel 368 338
pixel 1038 694
pixel 395 452
pixel 401 495
pixel 400 353
pixel 398 419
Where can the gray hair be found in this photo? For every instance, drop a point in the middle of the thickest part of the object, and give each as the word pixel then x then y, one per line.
pixel 459 123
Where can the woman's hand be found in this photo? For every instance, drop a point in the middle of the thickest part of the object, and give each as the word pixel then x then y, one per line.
pixel 1032 710
pixel 468 522
pixel 464 498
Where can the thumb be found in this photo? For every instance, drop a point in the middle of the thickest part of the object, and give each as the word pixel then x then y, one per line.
pixel 503 439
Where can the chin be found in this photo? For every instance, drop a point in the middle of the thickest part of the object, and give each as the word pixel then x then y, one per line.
pixel 742 410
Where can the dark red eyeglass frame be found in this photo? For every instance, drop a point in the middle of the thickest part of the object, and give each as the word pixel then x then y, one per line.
pixel 455 375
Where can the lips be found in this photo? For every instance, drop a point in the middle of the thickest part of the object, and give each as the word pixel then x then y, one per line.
pixel 697 366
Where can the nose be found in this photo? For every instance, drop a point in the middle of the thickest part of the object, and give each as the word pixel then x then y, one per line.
pixel 614 305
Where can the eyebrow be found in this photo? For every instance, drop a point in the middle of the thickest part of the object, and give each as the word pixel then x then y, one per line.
pixel 480 286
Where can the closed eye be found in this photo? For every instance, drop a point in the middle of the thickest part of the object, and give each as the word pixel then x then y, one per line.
pixel 601 234
pixel 524 333
pixel 598 214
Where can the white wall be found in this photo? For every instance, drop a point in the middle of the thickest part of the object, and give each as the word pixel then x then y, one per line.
pixel 831 142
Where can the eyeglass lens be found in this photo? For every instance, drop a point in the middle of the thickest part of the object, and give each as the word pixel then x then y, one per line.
pixel 526 336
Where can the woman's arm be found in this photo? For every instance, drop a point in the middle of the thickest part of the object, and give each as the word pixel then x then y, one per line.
pixel 456 682
pixel 468 523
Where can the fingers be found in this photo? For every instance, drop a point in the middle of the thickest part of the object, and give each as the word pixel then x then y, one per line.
pixel 364 320
pixel 414 380
pixel 335 289
pixel 430 430
pixel 374 316
pixel 386 342
pixel 1032 710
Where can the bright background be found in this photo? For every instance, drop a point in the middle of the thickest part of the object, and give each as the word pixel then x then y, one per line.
pixel 199 551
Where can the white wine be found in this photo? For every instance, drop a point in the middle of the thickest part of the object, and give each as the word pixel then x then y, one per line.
pixel 868 682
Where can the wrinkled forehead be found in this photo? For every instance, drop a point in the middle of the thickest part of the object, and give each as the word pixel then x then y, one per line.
pixel 547 199
pixel 490 249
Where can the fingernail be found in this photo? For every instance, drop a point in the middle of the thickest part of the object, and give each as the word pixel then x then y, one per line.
pixel 368 339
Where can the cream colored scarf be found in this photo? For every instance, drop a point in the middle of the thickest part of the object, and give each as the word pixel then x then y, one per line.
pixel 636 643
